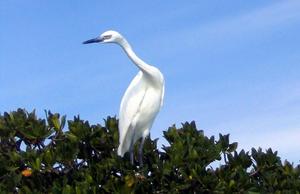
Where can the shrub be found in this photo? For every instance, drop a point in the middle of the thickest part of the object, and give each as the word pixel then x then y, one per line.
pixel 42 156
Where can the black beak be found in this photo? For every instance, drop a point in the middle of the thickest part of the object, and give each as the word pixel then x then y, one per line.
pixel 94 40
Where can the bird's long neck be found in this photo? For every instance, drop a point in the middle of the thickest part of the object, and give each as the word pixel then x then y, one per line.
pixel 144 67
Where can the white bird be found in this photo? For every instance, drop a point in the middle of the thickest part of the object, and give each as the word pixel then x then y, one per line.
pixel 141 101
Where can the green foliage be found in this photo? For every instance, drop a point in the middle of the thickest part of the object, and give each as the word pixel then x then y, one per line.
pixel 42 156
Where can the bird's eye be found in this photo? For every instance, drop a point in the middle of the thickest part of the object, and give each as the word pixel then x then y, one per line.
pixel 107 37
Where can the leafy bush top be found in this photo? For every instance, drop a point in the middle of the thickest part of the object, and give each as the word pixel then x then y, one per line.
pixel 38 156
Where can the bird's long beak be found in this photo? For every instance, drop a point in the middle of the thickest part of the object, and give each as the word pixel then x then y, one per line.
pixel 94 40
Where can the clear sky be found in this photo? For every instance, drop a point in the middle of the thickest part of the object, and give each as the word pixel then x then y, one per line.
pixel 232 66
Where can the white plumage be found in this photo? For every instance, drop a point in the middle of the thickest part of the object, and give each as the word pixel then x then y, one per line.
pixel 141 101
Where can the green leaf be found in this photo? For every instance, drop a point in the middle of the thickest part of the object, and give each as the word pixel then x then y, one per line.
pixel 67 190
pixel 232 147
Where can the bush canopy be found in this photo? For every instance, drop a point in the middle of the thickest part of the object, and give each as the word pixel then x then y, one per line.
pixel 53 155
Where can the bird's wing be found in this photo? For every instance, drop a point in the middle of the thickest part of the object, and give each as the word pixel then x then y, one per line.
pixel 130 105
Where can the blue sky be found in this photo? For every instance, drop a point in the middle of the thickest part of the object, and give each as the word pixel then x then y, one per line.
pixel 233 67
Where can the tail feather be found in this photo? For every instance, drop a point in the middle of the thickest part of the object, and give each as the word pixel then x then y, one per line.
pixel 125 143
pixel 120 150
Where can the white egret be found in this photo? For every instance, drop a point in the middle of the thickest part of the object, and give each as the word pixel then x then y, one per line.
pixel 141 101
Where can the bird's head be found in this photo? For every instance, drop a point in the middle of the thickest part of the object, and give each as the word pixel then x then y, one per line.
pixel 106 37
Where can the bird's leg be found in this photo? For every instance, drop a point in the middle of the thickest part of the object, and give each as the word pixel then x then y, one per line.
pixel 131 152
pixel 131 156
pixel 141 152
